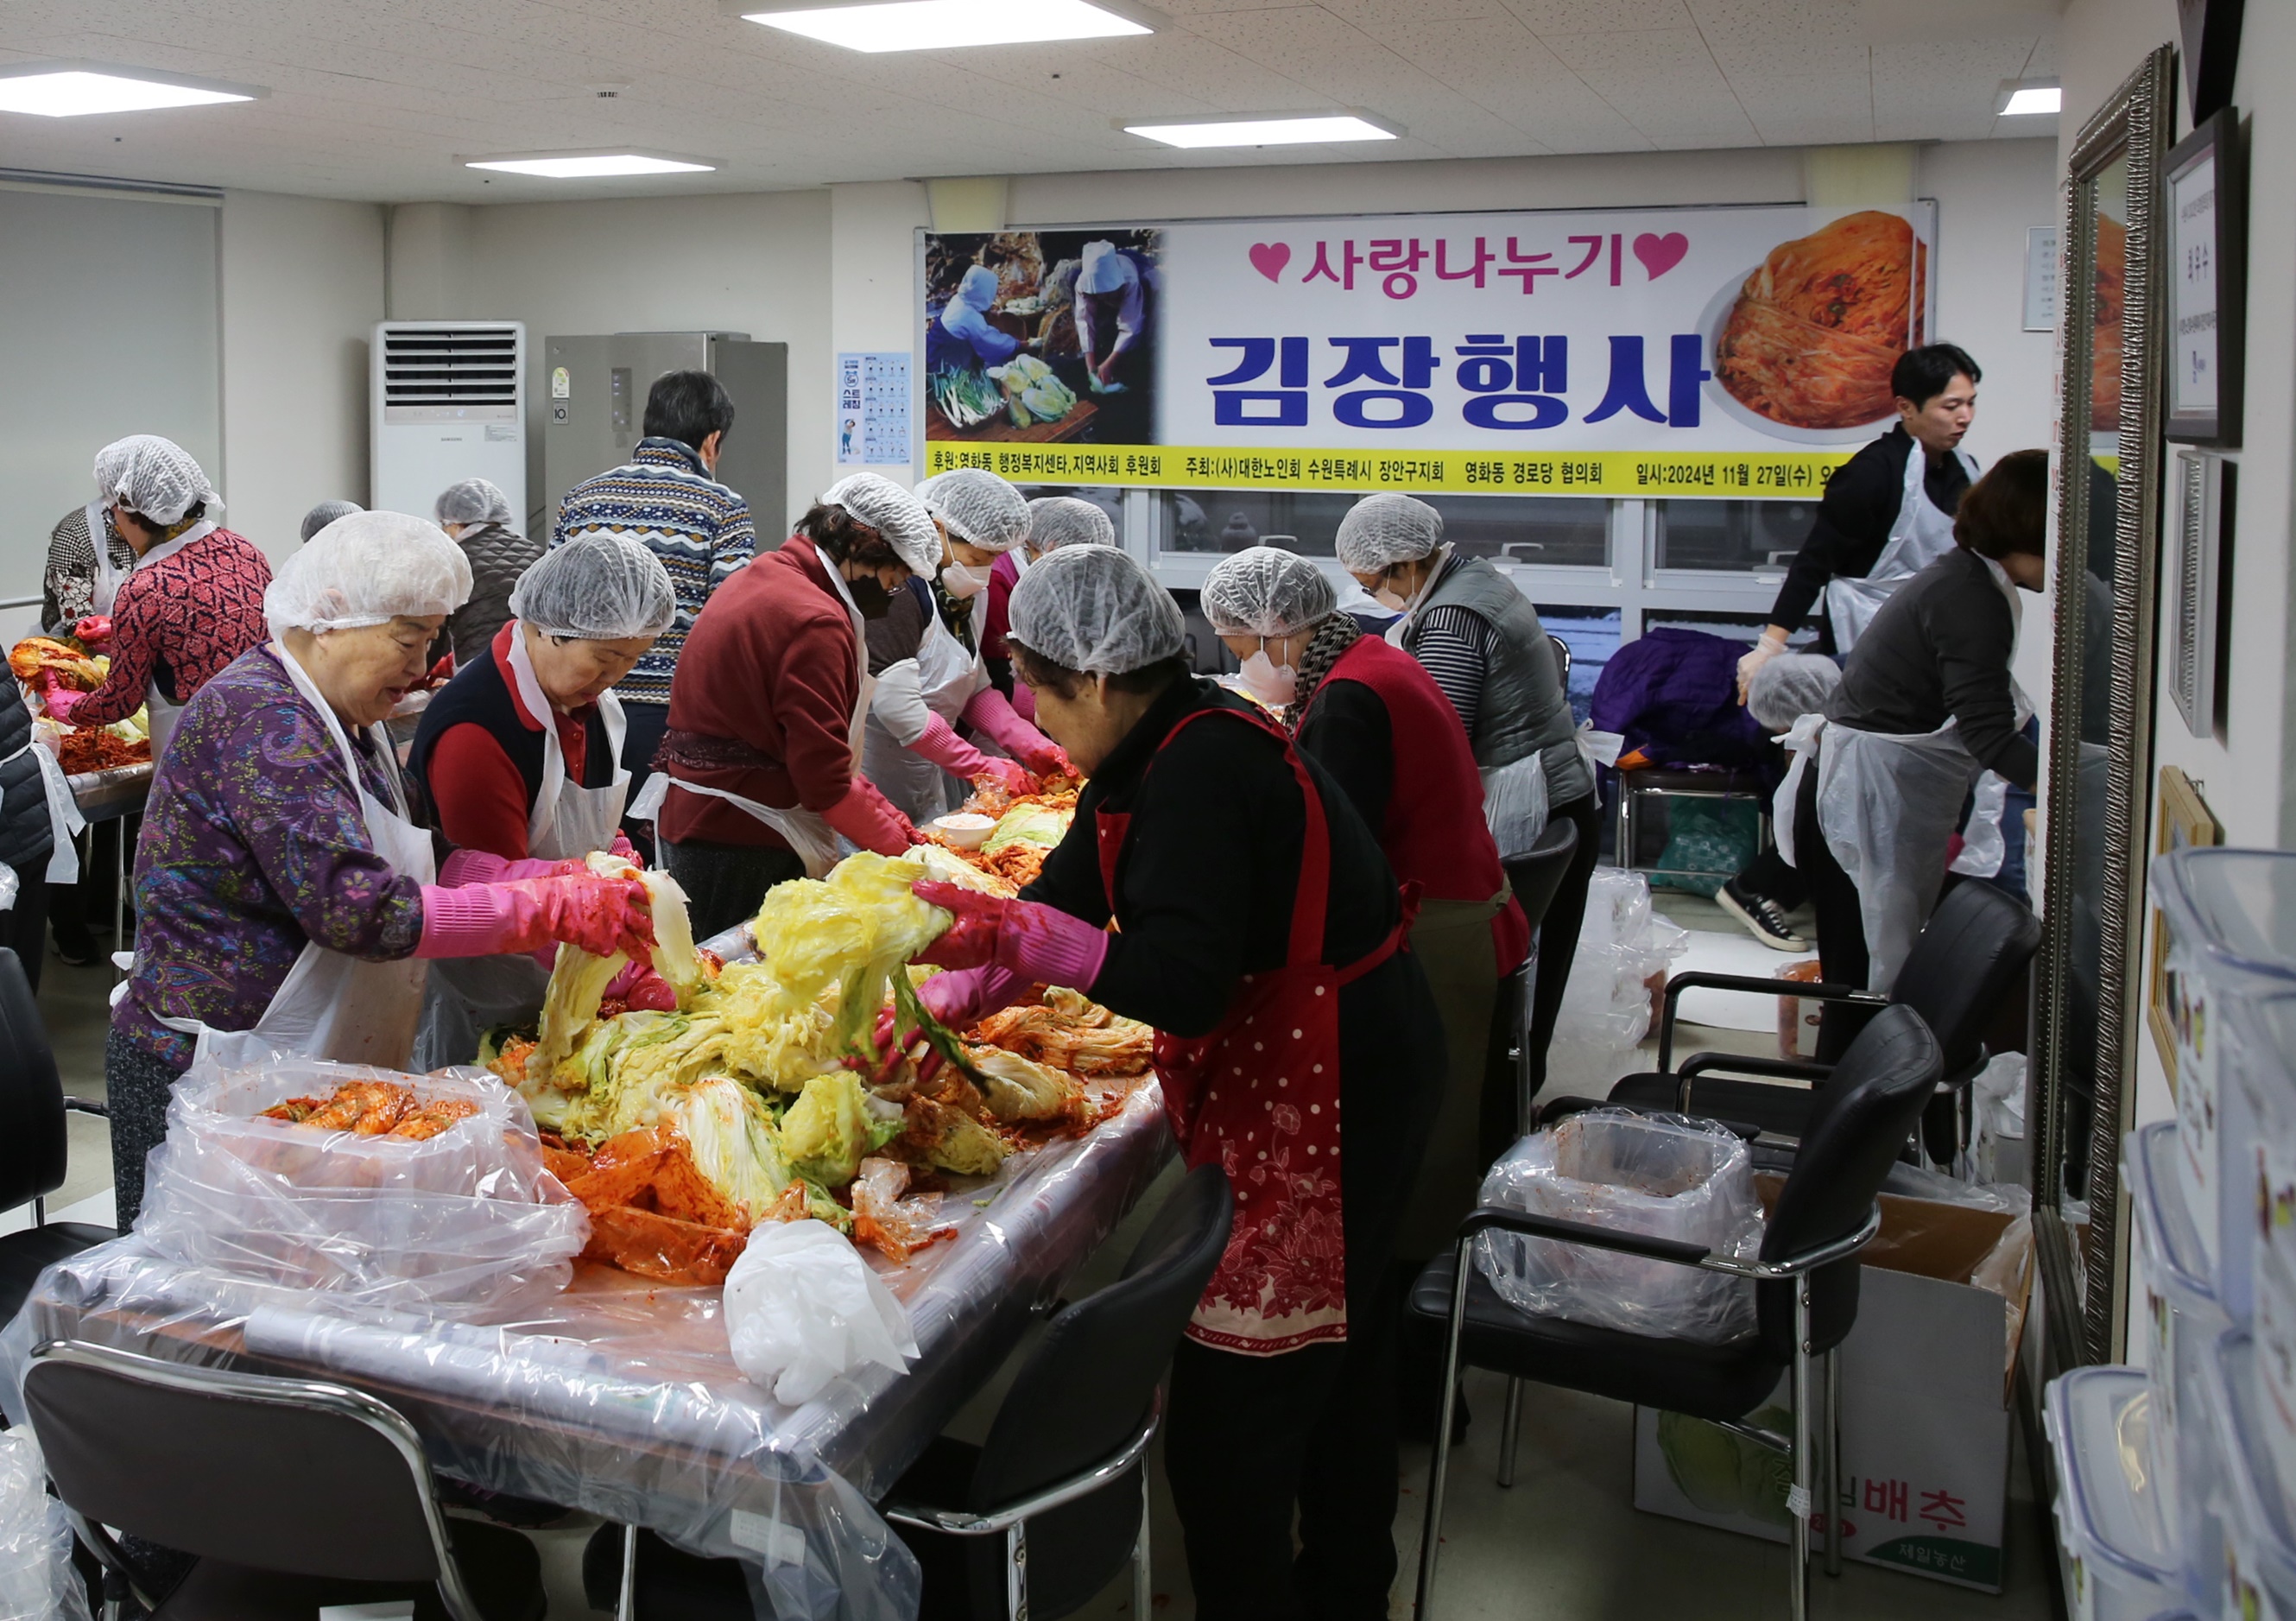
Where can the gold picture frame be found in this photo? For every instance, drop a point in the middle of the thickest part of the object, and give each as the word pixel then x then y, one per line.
pixel 2185 824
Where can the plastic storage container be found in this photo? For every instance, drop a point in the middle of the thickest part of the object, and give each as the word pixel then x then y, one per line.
pixel 2259 1557
pixel 2182 1316
pixel 2269 1025
pixel 2122 1561
pixel 2229 917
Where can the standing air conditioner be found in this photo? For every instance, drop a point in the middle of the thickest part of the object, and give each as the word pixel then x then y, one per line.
pixel 447 402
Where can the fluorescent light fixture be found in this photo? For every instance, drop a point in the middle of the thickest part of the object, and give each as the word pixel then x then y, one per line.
pixel 74 89
pixel 942 25
pixel 2026 100
pixel 1271 129
pixel 591 165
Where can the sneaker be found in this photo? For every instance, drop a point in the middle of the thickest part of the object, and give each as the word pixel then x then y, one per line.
pixel 1765 918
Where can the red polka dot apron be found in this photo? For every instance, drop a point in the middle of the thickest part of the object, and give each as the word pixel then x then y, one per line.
pixel 1261 1095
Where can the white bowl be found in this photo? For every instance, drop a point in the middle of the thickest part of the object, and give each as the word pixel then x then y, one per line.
pixel 964 829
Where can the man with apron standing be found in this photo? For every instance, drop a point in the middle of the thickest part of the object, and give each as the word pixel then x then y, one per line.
pixel 758 777
pixel 519 758
pixel 1886 516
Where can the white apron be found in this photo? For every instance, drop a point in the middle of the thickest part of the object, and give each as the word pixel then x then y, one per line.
pixel 470 995
pixel 336 1007
pixel 1888 807
pixel 1985 843
pixel 105 589
pixel 1802 743
pixel 1921 534
pixel 807 832
pixel 940 680
pixel 162 714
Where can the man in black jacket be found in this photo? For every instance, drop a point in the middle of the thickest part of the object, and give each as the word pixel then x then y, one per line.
pixel 1877 526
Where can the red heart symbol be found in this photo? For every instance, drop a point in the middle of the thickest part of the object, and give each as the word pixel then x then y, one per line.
pixel 1660 254
pixel 1269 257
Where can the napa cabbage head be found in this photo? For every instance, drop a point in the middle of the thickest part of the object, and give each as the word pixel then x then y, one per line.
pixel 733 1140
pixel 1029 825
pixel 833 1125
pixel 843 936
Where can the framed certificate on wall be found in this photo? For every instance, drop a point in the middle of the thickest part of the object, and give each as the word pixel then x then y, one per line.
pixel 2207 216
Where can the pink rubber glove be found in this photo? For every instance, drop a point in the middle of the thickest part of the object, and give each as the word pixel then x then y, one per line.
pixel 602 915
pixel 959 999
pixel 622 847
pixel 62 702
pixel 941 746
pixel 991 715
pixel 637 985
pixel 865 816
pixel 1030 939
pixel 464 866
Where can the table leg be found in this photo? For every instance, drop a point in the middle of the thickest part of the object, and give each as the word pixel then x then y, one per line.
pixel 119 896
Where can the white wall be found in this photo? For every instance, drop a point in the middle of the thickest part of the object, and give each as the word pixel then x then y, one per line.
pixel 872 271
pixel 301 288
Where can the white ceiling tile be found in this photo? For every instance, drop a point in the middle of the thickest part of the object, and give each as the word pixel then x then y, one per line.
pixel 1543 16
pixel 1780 37
pixel 1808 109
pixel 1942 92
pixel 1663 81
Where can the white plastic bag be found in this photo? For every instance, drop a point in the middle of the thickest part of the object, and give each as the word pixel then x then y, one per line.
pixel 466 1221
pixel 1606 1003
pixel 37 1581
pixel 1664 1176
pixel 803 1309
pixel 1514 804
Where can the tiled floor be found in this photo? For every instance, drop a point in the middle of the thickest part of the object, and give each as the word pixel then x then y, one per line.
pixel 1565 1542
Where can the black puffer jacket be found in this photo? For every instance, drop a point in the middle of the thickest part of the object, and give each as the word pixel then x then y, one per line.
pixel 497 558
pixel 25 834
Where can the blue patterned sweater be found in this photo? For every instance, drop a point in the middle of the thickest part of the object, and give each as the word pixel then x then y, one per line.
pixel 699 529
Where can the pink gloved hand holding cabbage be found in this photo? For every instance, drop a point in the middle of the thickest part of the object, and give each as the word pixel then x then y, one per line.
pixel 601 916
pixel 1026 938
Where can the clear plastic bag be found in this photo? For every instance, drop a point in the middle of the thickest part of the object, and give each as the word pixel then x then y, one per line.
pixel 1514 804
pixel 1606 1004
pixel 1664 1176
pixel 37 1581
pixel 803 1309
pixel 463 1221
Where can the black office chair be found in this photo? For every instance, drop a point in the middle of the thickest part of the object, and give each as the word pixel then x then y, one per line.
pixel 1976 944
pixel 1806 1284
pixel 1533 876
pixel 33 1147
pixel 1035 1522
pixel 291 1493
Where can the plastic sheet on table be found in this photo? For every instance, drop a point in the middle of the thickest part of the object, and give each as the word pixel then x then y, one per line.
pixel 37 1581
pixel 620 1397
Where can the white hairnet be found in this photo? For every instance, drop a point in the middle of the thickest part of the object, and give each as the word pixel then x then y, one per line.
pixel 1382 530
pixel 1790 686
pixel 1105 270
pixel 152 477
pixel 599 587
pixel 1266 591
pixel 368 568
pixel 978 287
pixel 1058 521
pixel 893 513
pixel 979 508
pixel 1095 609
pixel 473 501
pixel 327 513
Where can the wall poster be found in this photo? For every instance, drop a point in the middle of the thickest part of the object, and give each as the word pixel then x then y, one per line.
pixel 873 408
pixel 1739 352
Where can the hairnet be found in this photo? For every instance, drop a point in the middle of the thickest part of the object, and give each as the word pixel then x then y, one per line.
pixel 1266 591
pixel 1790 686
pixel 152 477
pixel 473 501
pixel 979 508
pixel 1058 521
pixel 598 587
pixel 327 513
pixel 1105 270
pixel 893 513
pixel 1382 530
pixel 1095 609
pixel 978 287
pixel 368 568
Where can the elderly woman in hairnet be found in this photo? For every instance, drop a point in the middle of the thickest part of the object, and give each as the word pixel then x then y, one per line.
pixel 519 757
pixel 932 681
pixel 193 603
pixel 1482 641
pixel 476 517
pixel 759 772
pixel 282 886
pixel 1259 930
pixel 323 514
pixel 1370 716
pixel 1053 522
pixel 964 324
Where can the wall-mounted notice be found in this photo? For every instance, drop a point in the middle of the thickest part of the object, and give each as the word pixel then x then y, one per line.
pixel 2043 262
pixel 873 408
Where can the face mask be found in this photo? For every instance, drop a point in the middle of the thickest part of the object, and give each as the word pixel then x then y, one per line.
pixel 962 582
pixel 1386 598
pixel 870 596
pixel 1273 684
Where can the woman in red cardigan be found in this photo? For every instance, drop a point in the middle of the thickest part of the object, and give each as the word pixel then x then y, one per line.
pixel 1373 717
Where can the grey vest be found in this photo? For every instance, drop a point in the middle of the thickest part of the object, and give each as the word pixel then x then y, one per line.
pixel 1525 709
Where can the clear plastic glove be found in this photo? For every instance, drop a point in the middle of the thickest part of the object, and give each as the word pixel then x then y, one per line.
pixel 1765 650
pixel 601 916
pixel 1033 941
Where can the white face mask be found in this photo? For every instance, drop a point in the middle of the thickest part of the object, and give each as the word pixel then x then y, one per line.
pixel 1272 684
pixel 1386 598
pixel 962 582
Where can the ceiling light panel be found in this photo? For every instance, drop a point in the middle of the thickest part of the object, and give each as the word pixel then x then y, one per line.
pixel 63 90
pixel 1293 131
pixel 2029 99
pixel 943 25
pixel 590 166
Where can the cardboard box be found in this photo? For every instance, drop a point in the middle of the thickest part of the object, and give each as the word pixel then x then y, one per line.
pixel 1928 1374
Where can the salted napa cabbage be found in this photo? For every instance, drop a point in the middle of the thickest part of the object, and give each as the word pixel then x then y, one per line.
pixel 674 956
pixel 733 1141
pixel 578 981
pixel 844 935
pixel 1021 1089
pixel 833 1125
pixel 1029 823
